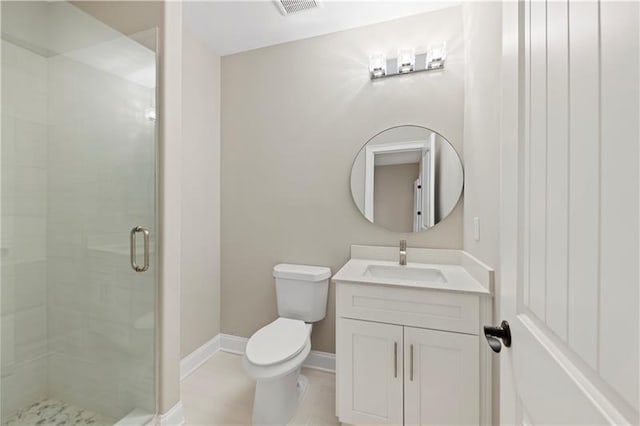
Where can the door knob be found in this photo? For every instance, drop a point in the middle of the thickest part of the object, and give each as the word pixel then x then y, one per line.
pixel 494 333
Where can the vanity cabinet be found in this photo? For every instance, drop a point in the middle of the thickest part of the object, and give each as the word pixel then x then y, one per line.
pixel 409 356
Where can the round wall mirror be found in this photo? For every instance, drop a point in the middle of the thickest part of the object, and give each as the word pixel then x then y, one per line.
pixel 407 179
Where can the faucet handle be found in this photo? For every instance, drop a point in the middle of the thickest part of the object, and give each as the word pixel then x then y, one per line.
pixel 403 244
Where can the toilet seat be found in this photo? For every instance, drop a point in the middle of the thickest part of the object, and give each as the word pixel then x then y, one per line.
pixel 276 371
pixel 277 342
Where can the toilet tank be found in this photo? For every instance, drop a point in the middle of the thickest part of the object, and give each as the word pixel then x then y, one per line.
pixel 302 291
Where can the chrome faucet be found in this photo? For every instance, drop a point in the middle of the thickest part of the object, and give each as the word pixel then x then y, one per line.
pixel 403 252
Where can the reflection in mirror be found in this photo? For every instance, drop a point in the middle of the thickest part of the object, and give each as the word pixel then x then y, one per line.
pixel 406 179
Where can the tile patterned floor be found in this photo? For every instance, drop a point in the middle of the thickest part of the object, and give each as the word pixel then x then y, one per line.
pixel 221 393
pixel 48 412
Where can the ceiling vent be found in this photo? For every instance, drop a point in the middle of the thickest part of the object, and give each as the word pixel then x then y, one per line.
pixel 287 7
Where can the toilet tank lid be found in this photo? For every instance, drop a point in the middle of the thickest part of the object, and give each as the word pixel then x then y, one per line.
pixel 301 272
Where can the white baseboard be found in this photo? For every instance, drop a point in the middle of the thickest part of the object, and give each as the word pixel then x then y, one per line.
pixel 195 359
pixel 324 361
pixel 233 344
pixel 173 417
pixel 317 360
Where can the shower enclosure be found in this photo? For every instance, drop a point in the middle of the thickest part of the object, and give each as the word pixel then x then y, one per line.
pixel 78 218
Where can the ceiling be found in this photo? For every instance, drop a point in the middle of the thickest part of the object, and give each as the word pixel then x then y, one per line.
pixel 230 27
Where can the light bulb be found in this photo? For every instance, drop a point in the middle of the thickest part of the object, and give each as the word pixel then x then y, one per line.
pixel 377 65
pixel 436 56
pixel 406 60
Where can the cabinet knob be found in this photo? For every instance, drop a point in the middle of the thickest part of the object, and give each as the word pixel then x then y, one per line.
pixel 492 334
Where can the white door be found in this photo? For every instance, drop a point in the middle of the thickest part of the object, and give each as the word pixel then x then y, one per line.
pixel 569 212
pixel 441 378
pixel 370 364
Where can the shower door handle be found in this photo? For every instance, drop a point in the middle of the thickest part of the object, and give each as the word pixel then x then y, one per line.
pixel 134 263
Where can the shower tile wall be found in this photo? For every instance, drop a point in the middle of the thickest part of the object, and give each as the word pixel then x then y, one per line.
pixel 23 245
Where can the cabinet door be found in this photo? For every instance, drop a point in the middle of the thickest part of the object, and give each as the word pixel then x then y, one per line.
pixel 369 372
pixel 442 380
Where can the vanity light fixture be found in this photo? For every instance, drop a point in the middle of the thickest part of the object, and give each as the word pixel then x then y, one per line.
pixel 407 61
pixel 377 65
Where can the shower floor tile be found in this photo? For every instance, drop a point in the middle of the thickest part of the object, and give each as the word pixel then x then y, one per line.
pixel 48 412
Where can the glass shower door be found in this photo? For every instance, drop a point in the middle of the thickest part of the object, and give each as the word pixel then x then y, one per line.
pixel 78 192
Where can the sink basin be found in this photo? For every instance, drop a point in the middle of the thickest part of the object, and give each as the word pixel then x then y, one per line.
pixel 405 273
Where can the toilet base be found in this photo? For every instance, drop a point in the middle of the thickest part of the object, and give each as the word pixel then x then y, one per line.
pixel 302 384
pixel 275 401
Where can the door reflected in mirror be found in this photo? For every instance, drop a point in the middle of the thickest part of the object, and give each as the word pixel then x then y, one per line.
pixel 407 179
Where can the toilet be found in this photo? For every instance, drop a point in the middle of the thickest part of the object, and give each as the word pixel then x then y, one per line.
pixel 275 353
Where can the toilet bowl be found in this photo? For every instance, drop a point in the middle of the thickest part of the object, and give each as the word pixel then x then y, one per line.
pixel 275 353
pixel 274 357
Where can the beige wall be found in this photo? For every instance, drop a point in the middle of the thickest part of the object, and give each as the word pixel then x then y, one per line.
pixel 200 283
pixel 128 17
pixel 294 116
pixel 394 195
pixel 483 53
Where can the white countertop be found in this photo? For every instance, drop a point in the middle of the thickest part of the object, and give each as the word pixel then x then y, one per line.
pixel 451 263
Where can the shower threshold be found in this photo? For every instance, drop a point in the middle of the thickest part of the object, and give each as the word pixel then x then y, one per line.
pixel 55 412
